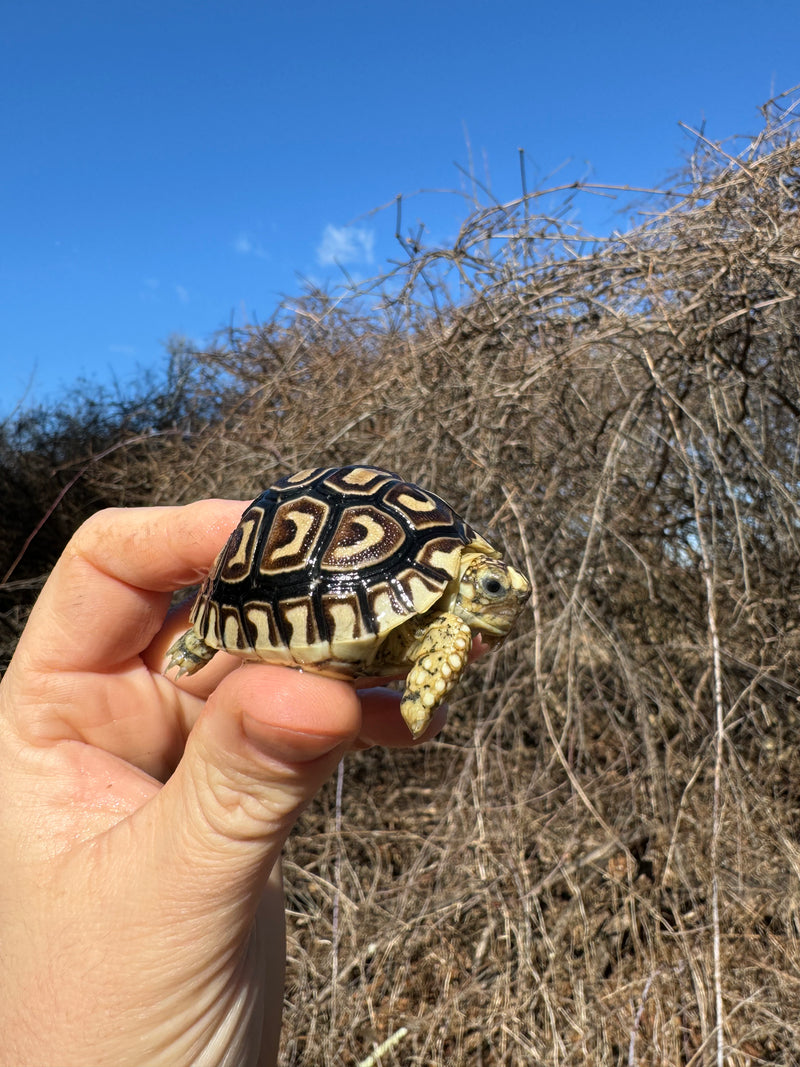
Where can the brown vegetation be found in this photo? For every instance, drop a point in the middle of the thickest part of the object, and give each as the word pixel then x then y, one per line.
pixel 598 861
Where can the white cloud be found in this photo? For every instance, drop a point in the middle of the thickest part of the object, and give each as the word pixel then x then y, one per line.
pixel 246 246
pixel 122 350
pixel 182 293
pixel 345 244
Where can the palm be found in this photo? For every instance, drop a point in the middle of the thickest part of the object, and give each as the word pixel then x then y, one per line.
pixel 143 818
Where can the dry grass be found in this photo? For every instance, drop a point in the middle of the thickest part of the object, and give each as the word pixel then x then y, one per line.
pixel 599 861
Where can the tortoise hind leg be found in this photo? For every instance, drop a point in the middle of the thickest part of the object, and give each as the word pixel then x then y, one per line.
pixel 189 653
pixel 438 658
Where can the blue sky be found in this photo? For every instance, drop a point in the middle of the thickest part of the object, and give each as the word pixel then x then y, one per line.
pixel 171 166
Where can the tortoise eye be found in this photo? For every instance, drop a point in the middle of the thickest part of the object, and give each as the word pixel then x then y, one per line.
pixel 492 586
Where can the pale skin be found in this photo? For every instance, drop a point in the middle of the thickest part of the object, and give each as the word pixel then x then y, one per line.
pixel 142 817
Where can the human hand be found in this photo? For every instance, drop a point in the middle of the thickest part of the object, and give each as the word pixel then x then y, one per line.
pixel 142 818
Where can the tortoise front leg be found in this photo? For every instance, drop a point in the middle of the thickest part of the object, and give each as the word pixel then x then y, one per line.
pixel 438 659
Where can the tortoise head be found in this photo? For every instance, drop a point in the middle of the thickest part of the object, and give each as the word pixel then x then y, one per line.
pixel 490 596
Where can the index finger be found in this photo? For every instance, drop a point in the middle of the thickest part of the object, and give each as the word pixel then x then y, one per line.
pixel 107 595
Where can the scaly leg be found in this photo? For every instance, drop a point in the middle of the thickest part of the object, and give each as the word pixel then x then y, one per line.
pixel 439 657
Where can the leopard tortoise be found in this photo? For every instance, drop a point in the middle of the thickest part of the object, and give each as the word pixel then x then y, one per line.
pixel 350 571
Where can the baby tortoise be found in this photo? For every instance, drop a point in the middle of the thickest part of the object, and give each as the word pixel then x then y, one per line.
pixel 351 571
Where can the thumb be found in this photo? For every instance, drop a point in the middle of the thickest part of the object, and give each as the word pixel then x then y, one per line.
pixel 266 741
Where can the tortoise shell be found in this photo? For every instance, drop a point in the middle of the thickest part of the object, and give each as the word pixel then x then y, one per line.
pixel 327 562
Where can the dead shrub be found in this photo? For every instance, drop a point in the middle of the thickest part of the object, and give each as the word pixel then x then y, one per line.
pixel 598 861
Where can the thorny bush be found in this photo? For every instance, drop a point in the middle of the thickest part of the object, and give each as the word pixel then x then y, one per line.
pixel 598 861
